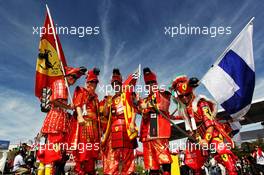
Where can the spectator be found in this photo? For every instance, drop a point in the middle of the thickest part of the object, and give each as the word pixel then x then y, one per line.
pixel 61 164
pixel 184 169
pixel 258 155
pixel 246 166
pixel 214 167
pixel 19 166
pixel 30 161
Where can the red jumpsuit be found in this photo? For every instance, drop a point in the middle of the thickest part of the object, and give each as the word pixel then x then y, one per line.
pixel 55 124
pixel 88 133
pixel 155 132
pixel 211 133
pixel 118 155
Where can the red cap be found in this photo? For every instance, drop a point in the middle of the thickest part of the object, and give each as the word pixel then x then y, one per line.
pixel 116 76
pixel 92 75
pixel 181 85
pixel 149 75
pixel 76 72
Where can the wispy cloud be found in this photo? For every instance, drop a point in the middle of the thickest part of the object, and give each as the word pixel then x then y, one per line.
pixel 17 33
pixel 20 116
pixel 104 10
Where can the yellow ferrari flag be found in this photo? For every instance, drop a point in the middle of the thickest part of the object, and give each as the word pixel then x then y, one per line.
pixel 48 66
pixel 129 111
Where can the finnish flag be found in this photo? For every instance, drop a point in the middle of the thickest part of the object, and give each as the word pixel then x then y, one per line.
pixel 231 80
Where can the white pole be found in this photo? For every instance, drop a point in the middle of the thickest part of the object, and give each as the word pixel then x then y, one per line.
pixel 139 72
pixel 227 49
pixel 59 54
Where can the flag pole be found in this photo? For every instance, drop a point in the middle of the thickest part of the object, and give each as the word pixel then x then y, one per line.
pixel 59 54
pixel 139 71
pixel 226 50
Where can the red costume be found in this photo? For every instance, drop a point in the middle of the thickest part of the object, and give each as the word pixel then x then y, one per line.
pixel 118 147
pixel 258 155
pixel 56 122
pixel 88 136
pixel 202 124
pixel 155 130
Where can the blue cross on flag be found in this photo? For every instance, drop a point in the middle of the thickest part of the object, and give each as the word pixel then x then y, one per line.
pixel 231 80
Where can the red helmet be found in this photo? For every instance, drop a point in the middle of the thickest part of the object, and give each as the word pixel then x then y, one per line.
pixel 149 76
pixel 116 76
pixel 76 72
pixel 181 85
pixel 92 75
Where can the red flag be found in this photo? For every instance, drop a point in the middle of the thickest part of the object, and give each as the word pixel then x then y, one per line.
pixel 132 78
pixel 48 66
pixel 126 96
pixel 129 84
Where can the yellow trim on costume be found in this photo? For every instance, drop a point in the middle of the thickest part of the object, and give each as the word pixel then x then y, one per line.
pixel 109 123
pixel 218 139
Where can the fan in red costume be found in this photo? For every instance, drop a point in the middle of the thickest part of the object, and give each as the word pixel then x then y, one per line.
pixel 55 124
pixel 258 155
pixel 88 137
pixel 118 148
pixel 155 130
pixel 199 114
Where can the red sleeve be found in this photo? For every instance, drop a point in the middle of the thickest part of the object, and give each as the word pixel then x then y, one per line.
pixel 78 97
pixel 163 100
pixel 59 90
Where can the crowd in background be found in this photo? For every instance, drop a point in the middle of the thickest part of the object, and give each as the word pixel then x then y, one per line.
pixel 250 161
pixel 22 160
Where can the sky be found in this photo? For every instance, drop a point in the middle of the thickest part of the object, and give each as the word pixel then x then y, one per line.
pixel 130 33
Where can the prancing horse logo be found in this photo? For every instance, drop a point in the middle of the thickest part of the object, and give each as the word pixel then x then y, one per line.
pixel 45 56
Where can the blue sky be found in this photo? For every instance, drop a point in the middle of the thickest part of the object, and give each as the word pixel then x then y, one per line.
pixel 131 32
